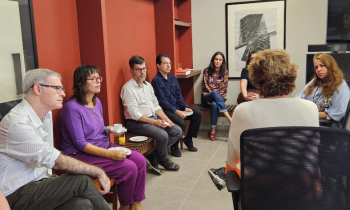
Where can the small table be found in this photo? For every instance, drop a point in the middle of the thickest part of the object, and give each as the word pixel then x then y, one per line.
pixel 144 147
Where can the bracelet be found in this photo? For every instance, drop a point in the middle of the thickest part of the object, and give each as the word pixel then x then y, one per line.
pixel 107 130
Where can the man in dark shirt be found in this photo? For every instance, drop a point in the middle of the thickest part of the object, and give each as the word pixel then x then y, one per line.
pixel 169 96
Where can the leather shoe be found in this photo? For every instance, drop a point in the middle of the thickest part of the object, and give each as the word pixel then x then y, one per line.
pixel 153 162
pixel 169 165
pixel 189 145
pixel 175 151
pixel 211 136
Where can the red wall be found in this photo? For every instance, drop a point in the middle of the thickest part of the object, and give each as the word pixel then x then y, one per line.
pixel 130 31
pixel 105 33
pixel 57 39
pixel 93 45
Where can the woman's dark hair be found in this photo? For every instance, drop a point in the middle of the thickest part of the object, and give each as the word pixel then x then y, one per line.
pixel 80 78
pixel 211 67
pixel 248 58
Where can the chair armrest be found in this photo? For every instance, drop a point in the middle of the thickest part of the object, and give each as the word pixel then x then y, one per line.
pixel 327 123
pixel 233 182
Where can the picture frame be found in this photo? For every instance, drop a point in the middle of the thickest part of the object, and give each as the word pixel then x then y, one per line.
pixel 254 25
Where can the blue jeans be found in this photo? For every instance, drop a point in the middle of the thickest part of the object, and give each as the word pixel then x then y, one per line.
pixel 217 105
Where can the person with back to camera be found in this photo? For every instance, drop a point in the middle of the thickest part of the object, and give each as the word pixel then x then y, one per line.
pixel 274 77
pixel 215 82
pixel 85 138
pixel 327 89
pixel 248 90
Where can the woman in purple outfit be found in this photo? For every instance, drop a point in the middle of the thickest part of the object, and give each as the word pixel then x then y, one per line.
pixel 85 138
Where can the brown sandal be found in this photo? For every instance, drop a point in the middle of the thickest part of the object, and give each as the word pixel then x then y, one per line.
pixel 211 136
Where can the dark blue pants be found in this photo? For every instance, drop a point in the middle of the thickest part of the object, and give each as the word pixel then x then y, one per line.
pixel 217 105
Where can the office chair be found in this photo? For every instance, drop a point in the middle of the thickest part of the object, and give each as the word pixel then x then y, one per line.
pixel 292 168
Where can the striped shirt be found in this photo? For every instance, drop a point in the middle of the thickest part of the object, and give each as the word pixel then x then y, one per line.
pixel 26 148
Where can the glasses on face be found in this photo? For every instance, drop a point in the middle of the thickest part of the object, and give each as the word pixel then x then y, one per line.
pixel 139 69
pixel 166 63
pixel 57 88
pixel 94 79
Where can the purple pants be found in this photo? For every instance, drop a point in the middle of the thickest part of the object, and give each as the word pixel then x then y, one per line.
pixel 129 174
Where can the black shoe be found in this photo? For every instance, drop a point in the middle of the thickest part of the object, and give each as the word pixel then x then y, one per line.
pixel 175 151
pixel 169 165
pixel 153 162
pixel 218 177
pixel 189 145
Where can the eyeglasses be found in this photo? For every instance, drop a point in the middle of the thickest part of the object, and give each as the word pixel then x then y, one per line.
pixel 57 88
pixel 166 63
pixel 94 79
pixel 139 69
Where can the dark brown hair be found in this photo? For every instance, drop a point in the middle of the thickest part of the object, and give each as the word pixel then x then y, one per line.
pixel 211 67
pixel 248 58
pixel 80 78
pixel 332 80
pixel 272 73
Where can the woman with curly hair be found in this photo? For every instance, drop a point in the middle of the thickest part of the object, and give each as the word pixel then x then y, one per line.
pixel 215 82
pixel 248 90
pixel 327 89
pixel 274 76
pixel 85 138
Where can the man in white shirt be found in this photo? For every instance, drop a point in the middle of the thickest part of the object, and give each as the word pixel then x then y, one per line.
pixel 145 117
pixel 27 154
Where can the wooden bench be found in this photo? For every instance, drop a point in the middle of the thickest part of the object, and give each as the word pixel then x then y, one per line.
pixel 145 148
pixel 206 109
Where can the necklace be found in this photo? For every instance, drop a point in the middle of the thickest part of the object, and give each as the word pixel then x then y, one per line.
pixel 313 99
pixel 93 111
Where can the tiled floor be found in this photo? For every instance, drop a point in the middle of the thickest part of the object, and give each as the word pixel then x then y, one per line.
pixel 190 188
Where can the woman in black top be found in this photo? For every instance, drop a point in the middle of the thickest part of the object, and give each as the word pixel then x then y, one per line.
pixel 248 91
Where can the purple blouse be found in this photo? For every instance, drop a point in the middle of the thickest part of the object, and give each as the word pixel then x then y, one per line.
pixel 79 126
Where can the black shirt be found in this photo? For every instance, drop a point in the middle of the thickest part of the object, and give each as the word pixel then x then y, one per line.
pixel 245 75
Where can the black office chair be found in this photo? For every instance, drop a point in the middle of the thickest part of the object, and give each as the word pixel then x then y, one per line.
pixel 293 168
pixel 336 124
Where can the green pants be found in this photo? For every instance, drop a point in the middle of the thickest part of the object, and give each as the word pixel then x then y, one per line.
pixel 59 193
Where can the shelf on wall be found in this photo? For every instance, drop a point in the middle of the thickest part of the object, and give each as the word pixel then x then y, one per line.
pixel 180 23
pixel 193 73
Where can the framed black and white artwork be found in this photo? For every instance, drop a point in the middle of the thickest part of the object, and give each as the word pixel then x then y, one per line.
pixel 256 25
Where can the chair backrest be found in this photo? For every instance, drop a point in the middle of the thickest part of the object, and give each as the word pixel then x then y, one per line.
pixel 346 118
pixel 295 168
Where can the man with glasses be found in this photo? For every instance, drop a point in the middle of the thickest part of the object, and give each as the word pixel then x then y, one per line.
pixel 145 117
pixel 168 93
pixel 27 154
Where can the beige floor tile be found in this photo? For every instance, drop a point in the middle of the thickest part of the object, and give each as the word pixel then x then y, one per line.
pixel 164 197
pixel 205 196
pixel 191 186
pixel 221 153
pixel 186 176
pixel 206 150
